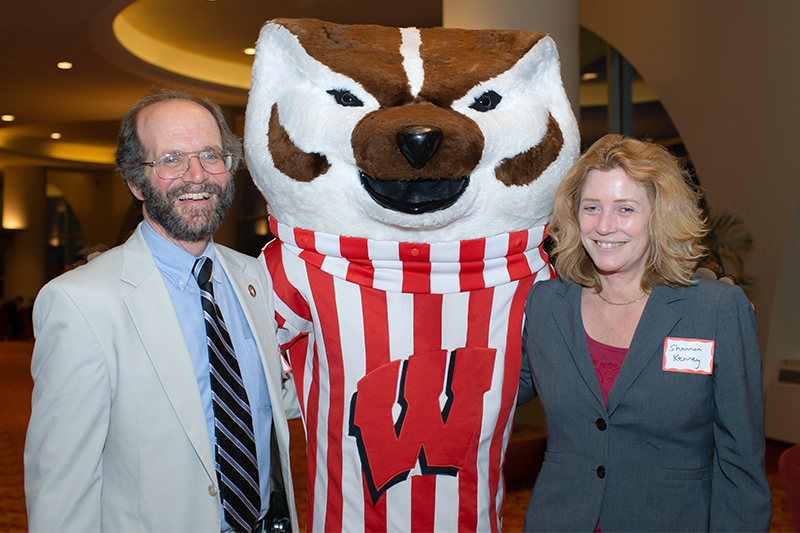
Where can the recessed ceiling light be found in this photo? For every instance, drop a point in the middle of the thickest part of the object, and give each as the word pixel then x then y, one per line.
pixel 64 65
pixel 250 51
pixel 55 135
pixel 589 76
pixel 7 118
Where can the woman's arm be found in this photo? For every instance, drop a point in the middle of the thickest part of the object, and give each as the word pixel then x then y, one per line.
pixel 526 391
pixel 741 498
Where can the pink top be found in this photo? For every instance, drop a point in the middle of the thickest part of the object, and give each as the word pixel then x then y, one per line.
pixel 607 361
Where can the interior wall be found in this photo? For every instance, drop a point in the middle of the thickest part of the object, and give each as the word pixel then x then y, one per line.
pixel 728 77
pixel 99 200
pixel 24 211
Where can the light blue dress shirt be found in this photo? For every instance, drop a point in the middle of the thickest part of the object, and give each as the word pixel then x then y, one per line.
pixel 176 265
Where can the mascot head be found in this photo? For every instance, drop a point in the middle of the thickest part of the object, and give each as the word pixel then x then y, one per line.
pixel 417 135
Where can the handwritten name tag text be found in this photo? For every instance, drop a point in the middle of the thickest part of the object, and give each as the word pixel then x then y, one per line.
pixel 695 356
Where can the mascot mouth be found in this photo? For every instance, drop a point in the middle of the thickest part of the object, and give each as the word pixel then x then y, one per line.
pixel 417 196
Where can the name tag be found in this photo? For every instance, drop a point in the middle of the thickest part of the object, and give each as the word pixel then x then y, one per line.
pixel 695 356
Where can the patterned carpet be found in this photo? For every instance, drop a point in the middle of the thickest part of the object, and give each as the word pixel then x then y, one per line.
pixel 15 395
pixel 15 392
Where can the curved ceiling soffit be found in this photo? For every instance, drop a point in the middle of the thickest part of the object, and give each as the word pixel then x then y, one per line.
pixel 94 144
pixel 177 60
pixel 121 43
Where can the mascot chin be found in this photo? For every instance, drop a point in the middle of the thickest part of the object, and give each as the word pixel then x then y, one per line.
pixel 409 175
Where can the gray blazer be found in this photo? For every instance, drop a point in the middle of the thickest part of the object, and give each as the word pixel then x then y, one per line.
pixel 673 451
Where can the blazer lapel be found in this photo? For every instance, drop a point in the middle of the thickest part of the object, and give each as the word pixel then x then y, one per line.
pixel 249 287
pixel 567 315
pixel 658 319
pixel 246 285
pixel 153 315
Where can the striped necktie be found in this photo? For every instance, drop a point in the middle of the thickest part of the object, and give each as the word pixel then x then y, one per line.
pixel 237 468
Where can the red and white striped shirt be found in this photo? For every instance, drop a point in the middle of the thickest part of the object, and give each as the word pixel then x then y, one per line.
pixel 406 359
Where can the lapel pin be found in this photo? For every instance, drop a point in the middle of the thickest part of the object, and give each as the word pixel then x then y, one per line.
pixel 251 290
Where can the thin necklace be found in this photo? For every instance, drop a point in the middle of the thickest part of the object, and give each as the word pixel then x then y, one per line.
pixel 624 303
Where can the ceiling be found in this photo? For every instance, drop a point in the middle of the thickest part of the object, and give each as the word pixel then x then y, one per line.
pixel 189 39
pixel 121 48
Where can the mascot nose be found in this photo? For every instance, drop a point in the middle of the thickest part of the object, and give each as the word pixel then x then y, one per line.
pixel 419 143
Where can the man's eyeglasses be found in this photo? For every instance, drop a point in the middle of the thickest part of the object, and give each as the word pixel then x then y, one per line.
pixel 173 166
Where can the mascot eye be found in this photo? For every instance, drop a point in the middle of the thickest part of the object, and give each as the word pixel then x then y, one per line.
pixel 345 98
pixel 486 102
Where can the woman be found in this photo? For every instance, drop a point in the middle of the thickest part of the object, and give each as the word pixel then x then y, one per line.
pixel 650 378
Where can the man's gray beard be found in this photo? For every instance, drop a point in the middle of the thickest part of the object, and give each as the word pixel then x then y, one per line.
pixel 200 223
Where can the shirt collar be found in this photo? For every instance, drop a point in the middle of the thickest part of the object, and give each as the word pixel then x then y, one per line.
pixel 175 263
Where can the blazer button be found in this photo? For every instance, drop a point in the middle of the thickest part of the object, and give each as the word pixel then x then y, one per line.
pixel 601 471
pixel 601 424
pixel 212 490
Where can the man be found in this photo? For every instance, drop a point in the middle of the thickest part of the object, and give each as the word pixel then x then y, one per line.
pixel 154 400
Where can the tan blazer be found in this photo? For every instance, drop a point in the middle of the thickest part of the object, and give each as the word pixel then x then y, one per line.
pixel 117 439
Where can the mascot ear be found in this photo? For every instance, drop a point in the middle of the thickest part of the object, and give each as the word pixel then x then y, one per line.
pixel 277 54
pixel 541 69
pixel 299 116
pixel 280 82
pixel 275 70
pixel 541 63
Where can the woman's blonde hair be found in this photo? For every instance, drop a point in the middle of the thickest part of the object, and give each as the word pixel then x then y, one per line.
pixel 675 226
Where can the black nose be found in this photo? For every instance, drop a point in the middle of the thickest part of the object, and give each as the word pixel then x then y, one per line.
pixel 419 143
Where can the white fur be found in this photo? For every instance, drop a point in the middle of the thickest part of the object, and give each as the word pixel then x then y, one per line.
pixel 336 203
pixel 412 61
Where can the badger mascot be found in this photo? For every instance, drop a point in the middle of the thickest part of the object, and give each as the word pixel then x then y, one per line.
pixel 409 175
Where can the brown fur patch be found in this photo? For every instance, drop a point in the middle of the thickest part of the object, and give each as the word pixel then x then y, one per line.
pixel 290 159
pixel 375 145
pixel 457 60
pixel 524 168
pixel 368 54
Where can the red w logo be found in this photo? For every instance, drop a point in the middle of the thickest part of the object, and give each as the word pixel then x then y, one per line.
pixel 432 415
